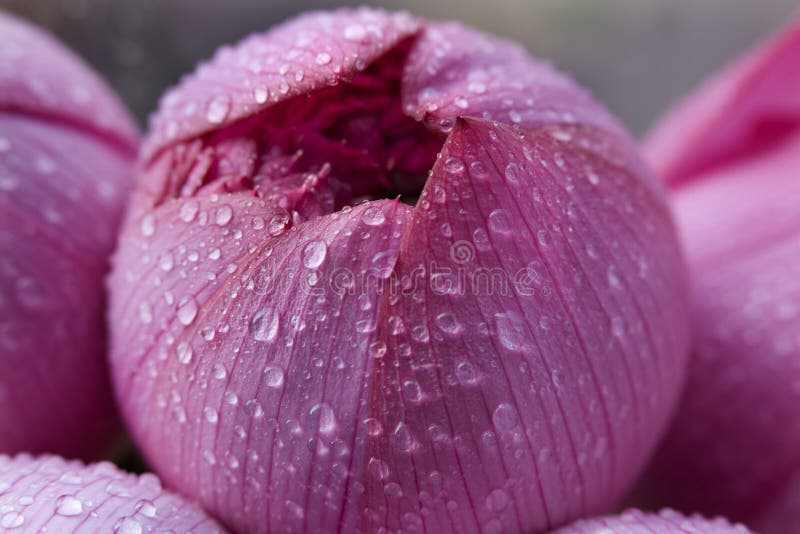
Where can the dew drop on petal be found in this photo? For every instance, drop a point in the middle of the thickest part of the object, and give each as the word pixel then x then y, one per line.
pixel 505 417
pixel 373 216
pixel 314 254
pixel 273 376
pixel 224 215
pixel 218 109
pixel 184 352
pixel 187 311
pixel 188 210
pixel 499 221
pixel 264 324
pixel 68 505
pixel 148 225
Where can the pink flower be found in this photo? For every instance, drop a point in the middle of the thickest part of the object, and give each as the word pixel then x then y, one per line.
pixel 665 522
pixel 66 154
pixel 50 494
pixel 731 153
pixel 299 349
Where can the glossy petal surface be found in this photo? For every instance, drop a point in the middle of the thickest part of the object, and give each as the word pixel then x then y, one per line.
pixel 50 494
pixel 734 446
pixel 64 175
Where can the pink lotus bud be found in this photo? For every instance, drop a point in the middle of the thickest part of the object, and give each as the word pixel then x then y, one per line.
pixel 731 153
pixel 66 153
pixel 665 522
pixel 50 494
pixel 298 349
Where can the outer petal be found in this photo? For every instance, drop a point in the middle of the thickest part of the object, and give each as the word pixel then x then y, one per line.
pixel 532 361
pixel 741 228
pixel 740 111
pixel 252 354
pixel 64 173
pixel 665 522
pixel 304 54
pixel 49 494
pixel 39 77
pixel 457 71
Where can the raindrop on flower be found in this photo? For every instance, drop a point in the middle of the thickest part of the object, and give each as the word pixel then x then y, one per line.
pixel 68 505
pixel 264 324
pixel 218 109
pixel 314 254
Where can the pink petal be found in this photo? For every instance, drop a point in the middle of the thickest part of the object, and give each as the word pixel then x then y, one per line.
pixel 665 522
pixel 39 77
pixel 742 110
pixel 457 71
pixel 64 174
pixel 305 54
pixel 734 445
pixel 521 404
pixel 279 334
pixel 50 494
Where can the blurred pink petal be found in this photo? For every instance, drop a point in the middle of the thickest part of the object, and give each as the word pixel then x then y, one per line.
pixel 665 522
pixel 290 342
pixel 734 446
pixel 65 169
pixel 50 494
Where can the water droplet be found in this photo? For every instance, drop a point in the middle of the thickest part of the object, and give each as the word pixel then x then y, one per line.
pixel 448 323
pixel 208 333
pixel 461 102
pixel 187 311
pixel 505 418
pixel 618 326
pixel 314 254
pixel 420 333
pixel 212 416
pixel 497 501
pixel 68 505
pixel 561 135
pixel 189 210
pixel 327 417
pixel 224 215
pixel 412 391
pixel 373 216
pixel 12 520
pixel 401 437
pixel 513 172
pixel 260 94
pixel 499 221
pixel 209 457
pixel 354 32
pixel 613 278
pixel 218 109
pixel 378 468
pixel 515 116
pixel 593 178
pixel 146 507
pixel 264 324
pixel 453 165
pixel 323 58
pixel 477 87
pixel 273 376
pixel 148 225
pixel 466 374
pixel 512 331
pixel 145 313
pixel 373 426
pixel 184 352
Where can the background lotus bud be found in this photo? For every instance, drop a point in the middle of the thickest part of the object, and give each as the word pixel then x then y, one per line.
pixel 50 494
pixel 298 349
pixel 665 522
pixel 731 153
pixel 66 153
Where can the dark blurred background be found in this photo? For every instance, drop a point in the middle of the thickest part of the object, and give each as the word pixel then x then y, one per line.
pixel 638 56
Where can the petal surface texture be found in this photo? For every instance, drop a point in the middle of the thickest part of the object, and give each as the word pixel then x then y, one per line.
pixel 67 149
pixel 665 522
pixel 50 494
pixel 734 446
pixel 377 287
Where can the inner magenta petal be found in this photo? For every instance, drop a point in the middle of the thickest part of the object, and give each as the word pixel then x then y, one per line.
pixel 316 153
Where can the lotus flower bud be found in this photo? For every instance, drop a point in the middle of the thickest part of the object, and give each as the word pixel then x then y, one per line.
pixel 384 273
pixel 731 154
pixel 67 148
pixel 50 494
